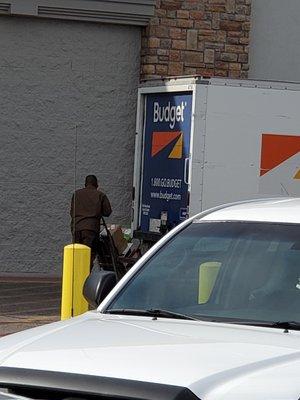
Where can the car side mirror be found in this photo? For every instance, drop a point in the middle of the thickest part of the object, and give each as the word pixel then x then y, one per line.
pixel 97 286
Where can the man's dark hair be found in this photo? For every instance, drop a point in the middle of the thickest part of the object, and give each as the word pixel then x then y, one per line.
pixel 91 180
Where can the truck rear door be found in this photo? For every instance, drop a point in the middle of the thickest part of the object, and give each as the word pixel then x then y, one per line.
pixel 165 164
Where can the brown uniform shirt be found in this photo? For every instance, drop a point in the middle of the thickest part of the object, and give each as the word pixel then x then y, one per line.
pixel 89 206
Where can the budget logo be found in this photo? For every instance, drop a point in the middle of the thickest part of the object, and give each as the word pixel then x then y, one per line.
pixel 161 140
pixel 276 150
pixel 169 114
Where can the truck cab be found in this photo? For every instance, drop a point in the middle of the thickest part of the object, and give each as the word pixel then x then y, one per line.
pixel 210 312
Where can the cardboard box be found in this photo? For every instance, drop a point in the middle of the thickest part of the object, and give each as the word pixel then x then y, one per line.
pixel 118 238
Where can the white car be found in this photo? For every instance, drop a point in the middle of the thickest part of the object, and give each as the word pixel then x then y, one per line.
pixel 211 312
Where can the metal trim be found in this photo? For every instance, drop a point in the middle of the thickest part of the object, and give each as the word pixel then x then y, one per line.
pixel 4 8
pixel 218 81
pixel 128 12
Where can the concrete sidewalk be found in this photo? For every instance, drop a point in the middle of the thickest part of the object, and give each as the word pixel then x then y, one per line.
pixel 27 301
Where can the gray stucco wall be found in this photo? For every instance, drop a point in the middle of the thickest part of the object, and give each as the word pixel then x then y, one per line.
pixel 274 40
pixel 54 76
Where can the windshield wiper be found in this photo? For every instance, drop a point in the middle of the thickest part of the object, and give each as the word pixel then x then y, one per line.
pixel 155 313
pixel 286 325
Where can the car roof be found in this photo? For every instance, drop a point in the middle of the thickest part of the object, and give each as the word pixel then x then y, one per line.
pixel 283 210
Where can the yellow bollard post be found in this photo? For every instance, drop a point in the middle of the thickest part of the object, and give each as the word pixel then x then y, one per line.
pixel 76 268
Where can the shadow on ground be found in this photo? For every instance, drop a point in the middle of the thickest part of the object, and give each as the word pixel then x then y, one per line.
pixel 26 302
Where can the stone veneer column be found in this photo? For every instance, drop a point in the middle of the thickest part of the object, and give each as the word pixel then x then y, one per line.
pixel 197 37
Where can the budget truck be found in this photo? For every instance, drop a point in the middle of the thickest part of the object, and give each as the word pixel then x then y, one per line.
pixel 204 142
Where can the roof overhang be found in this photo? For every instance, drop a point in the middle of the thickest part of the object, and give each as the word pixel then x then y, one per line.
pixel 129 12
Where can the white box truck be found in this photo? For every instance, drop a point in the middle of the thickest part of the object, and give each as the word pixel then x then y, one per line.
pixel 204 142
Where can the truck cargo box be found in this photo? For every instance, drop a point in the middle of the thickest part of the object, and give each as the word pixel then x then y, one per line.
pixel 204 142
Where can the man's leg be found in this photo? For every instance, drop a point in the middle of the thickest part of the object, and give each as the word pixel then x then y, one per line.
pixel 77 237
pixel 90 238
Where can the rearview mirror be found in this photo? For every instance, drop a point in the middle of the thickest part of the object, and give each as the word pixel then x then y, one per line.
pixel 97 286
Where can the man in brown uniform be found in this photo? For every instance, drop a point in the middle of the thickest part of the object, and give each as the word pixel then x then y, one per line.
pixel 88 205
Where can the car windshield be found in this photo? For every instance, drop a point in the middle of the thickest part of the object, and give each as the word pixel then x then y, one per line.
pixel 222 271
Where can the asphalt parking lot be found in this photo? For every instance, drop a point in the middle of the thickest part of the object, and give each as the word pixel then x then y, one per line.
pixel 28 301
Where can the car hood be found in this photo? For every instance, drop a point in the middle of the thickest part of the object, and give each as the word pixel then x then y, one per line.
pixel 215 361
